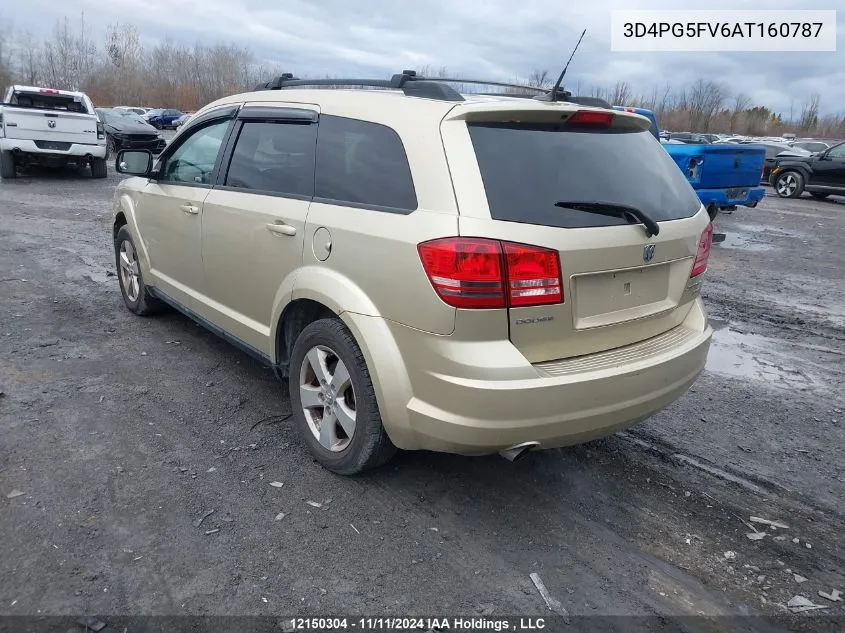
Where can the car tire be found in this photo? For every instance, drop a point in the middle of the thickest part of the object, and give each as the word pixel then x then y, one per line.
pixel 8 170
pixel 111 148
pixel 157 125
pixel 818 195
pixel 789 184
pixel 98 168
pixel 136 294
pixel 346 448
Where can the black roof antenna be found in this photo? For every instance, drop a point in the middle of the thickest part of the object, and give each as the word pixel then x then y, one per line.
pixel 552 96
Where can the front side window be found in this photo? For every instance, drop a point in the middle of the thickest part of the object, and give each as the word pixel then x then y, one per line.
pixel 837 152
pixel 274 157
pixel 363 163
pixel 193 161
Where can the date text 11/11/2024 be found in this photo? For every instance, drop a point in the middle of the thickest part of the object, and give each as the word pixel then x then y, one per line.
pixel 416 624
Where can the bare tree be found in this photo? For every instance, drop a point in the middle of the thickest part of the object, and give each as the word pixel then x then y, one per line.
pixel 5 55
pixel 705 99
pixel 540 79
pixel 810 113
pixel 740 105
pixel 621 93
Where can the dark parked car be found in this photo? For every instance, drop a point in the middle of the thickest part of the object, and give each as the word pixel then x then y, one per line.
pixel 126 130
pixel 775 151
pixel 163 119
pixel 819 174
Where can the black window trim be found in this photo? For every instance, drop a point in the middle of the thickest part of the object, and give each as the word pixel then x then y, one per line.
pixel 364 205
pixel 266 115
pixel 211 118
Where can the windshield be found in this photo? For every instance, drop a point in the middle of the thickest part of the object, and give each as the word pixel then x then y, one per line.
pixel 116 117
pixel 527 168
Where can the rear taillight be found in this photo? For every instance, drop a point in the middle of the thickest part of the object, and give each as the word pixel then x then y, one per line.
pixel 589 117
pixel 533 275
pixel 469 272
pixel 49 91
pixel 101 131
pixel 703 254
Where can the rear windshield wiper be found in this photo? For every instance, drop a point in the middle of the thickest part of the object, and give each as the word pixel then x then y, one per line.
pixel 631 214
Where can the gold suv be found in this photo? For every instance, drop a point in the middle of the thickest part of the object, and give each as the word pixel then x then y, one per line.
pixel 427 269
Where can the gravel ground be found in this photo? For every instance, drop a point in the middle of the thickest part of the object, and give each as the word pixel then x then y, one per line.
pixel 122 433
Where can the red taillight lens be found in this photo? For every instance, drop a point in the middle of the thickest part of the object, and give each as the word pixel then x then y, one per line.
pixel 465 272
pixel 533 275
pixel 588 117
pixel 703 254
pixel 49 91
pixel 481 273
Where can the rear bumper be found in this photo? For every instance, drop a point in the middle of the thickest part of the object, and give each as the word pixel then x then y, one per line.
pixel 74 150
pixel 478 397
pixel 750 196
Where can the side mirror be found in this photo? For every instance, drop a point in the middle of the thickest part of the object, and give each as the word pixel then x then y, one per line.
pixel 136 162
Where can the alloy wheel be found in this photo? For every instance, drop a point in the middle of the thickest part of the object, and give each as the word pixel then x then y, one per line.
pixel 129 273
pixel 787 184
pixel 328 398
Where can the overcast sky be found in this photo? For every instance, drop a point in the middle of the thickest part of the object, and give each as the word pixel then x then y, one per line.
pixel 489 38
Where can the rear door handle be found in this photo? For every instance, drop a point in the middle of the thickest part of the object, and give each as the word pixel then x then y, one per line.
pixel 282 229
pixel 189 209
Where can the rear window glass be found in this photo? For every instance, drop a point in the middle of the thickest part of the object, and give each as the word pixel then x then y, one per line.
pixel 44 101
pixel 274 157
pixel 527 168
pixel 364 164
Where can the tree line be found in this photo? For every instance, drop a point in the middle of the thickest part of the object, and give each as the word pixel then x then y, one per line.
pixel 121 69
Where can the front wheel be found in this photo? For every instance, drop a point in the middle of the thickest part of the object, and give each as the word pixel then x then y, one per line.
pixel 333 400
pixel 789 184
pixel 136 294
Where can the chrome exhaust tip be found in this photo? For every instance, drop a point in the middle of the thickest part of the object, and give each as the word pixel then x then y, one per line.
pixel 518 451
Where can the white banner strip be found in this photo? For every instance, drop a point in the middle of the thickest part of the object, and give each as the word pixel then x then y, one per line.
pixel 721 31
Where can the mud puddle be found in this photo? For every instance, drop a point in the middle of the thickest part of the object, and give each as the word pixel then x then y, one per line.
pixel 755 357
pixel 742 241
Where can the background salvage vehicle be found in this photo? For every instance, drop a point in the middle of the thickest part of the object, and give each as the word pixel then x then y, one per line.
pixel 52 128
pixel 126 130
pixel 163 119
pixel 820 175
pixel 544 301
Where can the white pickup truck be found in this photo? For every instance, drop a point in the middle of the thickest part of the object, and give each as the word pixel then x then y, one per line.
pixel 54 128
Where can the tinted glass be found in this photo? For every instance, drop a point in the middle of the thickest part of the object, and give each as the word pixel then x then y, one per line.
pixel 526 169
pixel 363 163
pixel 274 157
pixel 193 161
pixel 837 152
pixel 49 101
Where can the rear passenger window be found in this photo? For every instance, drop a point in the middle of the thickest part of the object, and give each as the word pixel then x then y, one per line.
pixel 362 163
pixel 274 158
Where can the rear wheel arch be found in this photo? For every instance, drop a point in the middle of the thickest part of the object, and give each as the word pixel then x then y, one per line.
pixel 296 316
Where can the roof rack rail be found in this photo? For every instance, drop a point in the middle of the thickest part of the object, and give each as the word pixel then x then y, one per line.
pixel 414 85
pixel 407 81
